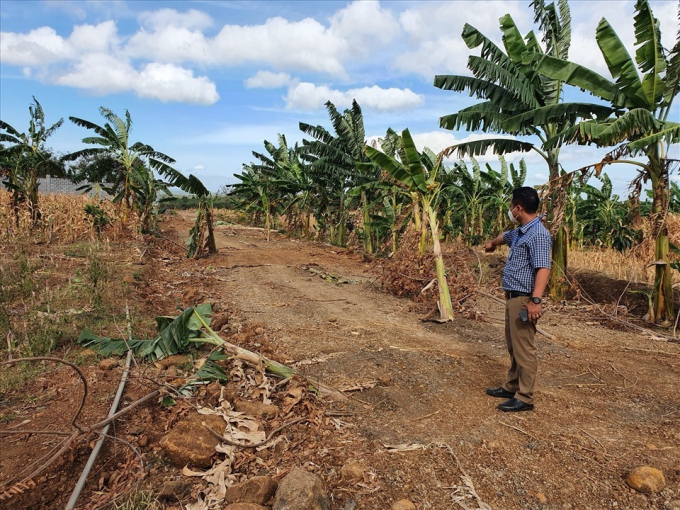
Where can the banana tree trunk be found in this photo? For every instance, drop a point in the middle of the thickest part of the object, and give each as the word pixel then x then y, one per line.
pixel 420 225
pixel 368 231
pixel 558 274
pixel 267 219
pixel 558 280
pixel 445 306
pixel 342 228
pixel 210 242
pixel 126 202
pixel 663 289
pixel 423 234
pixel 32 192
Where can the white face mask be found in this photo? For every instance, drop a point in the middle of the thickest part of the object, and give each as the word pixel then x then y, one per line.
pixel 512 216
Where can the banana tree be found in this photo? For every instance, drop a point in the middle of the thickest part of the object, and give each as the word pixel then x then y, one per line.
pixel 333 164
pixel 521 103
pixel 601 211
pixel 24 160
pixel 289 186
pixel 418 174
pixel 201 242
pixel 113 138
pixel 254 193
pixel 146 187
pixel 641 97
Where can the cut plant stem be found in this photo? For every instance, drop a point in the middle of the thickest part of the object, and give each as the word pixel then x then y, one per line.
pixel 274 367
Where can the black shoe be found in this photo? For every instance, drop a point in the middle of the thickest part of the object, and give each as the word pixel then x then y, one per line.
pixel 500 393
pixel 515 405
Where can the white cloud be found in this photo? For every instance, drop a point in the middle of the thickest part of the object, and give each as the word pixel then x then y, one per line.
pixel 267 80
pixel 308 96
pixel 300 45
pixel 434 30
pixel 99 73
pixel 447 55
pixel 191 19
pixel 171 44
pixel 44 46
pixel 199 167
pixel 38 47
pixel 94 38
pixel 105 74
pixel 356 31
pixel 168 82
pixel 364 25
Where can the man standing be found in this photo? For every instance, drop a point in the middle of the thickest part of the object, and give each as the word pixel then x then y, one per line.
pixel 525 278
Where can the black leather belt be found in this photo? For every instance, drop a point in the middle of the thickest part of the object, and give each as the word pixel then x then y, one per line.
pixel 509 294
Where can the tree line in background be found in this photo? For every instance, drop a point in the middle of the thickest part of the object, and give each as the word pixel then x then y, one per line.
pixel 379 189
pixel 334 184
pixel 119 167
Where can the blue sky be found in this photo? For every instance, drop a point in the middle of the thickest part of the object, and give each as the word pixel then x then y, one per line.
pixel 207 81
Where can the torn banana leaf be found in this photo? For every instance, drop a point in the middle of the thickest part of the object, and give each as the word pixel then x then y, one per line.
pixel 210 371
pixel 175 334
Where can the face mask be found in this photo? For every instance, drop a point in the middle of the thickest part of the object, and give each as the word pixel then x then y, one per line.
pixel 512 216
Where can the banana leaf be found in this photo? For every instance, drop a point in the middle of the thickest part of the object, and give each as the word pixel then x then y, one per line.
pixel 175 335
pixel 210 371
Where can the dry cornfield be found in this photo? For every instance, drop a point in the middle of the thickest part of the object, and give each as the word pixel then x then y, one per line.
pixel 63 219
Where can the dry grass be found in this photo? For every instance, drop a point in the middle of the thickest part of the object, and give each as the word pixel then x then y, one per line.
pixel 63 219
pixel 632 265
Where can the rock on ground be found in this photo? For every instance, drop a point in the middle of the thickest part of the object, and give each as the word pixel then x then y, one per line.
pixel 259 490
pixel 301 490
pixel 175 489
pixel 404 504
pixel 352 471
pixel 256 409
pixel 190 443
pixel 244 506
pixel 646 479
pixel 108 364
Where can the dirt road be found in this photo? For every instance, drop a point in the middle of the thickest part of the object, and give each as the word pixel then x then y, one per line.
pixel 608 400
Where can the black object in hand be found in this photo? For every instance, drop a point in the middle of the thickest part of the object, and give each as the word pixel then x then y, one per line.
pixel 524 315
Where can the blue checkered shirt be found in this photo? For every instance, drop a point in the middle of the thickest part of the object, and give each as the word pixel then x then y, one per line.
pixel 530 250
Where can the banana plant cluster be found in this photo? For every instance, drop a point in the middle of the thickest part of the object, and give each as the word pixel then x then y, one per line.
pixel 134 185
pixel 523 86
pixel 27 158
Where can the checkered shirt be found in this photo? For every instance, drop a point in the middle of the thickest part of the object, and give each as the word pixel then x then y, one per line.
pixel 530 250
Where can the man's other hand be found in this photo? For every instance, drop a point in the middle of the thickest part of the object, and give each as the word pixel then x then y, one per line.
pixel 533 311
pixel 489 247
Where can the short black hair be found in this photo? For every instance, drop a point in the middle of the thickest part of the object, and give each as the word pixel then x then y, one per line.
pixel 526 197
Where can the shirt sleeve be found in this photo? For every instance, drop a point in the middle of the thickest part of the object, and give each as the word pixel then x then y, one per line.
pixel 540 251
pixel 509 236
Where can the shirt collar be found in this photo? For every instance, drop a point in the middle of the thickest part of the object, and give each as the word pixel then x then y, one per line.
pixel 523 229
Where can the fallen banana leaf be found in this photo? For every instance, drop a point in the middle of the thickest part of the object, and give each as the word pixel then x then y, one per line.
pixel 209 372
pixel 176 334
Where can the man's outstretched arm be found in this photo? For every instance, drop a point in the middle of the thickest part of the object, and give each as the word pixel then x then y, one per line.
pixel 491 246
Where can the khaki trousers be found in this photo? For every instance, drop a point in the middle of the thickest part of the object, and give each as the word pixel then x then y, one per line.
pixel 519 338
